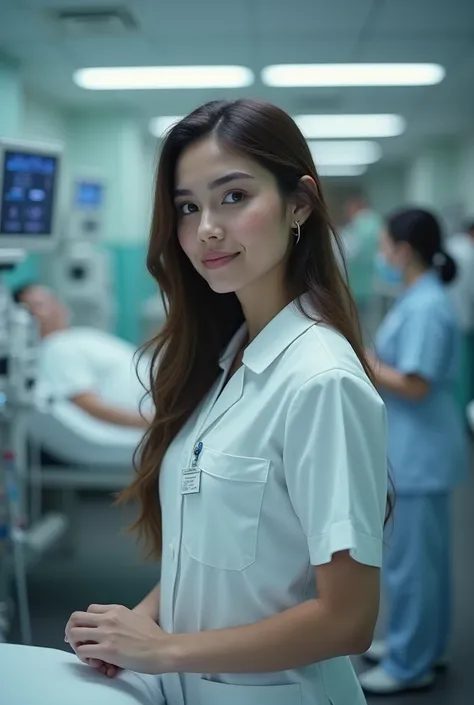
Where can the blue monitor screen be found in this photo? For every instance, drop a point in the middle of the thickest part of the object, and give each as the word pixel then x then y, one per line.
pixel 88 194
pixel 28 192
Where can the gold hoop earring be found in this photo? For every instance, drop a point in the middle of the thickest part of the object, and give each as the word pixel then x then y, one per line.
pixel 297 234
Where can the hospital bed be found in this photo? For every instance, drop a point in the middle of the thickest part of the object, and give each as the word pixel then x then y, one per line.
pixel 39 676
pixel 89 454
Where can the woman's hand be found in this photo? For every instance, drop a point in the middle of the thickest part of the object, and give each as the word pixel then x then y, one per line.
pixel 111 637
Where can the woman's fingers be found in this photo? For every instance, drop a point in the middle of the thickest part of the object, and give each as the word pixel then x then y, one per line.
pixel 78 636
pixel 83 619
pixel 111 671
pixel 101 609
pixel 108 669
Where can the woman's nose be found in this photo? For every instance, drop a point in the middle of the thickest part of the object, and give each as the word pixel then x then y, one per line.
pixel 209 229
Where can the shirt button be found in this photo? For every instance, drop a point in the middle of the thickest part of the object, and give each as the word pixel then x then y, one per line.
pixel 173 551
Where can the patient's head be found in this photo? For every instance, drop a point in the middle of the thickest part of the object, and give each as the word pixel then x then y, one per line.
pixel 48 310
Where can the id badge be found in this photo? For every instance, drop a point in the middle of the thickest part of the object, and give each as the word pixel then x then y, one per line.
pixel 191 481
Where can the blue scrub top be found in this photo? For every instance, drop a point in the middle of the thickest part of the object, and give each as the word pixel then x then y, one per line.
pixel 427 440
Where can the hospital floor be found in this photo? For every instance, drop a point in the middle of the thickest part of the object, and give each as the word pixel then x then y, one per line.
pixel 107 569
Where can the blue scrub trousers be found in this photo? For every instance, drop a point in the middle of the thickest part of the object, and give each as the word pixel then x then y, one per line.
pixel 417 581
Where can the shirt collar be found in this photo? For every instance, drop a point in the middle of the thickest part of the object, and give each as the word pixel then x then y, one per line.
pixel 425 281
pixel 277 335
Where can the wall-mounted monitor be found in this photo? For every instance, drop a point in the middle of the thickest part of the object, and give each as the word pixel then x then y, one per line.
pixel 29 189
pixel 88 194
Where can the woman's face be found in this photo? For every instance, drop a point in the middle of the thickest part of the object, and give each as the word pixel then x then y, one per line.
pixel 397 254
pixel 49 312
pixel 232 222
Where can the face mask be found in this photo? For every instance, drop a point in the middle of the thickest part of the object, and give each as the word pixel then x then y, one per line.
pixel 389 273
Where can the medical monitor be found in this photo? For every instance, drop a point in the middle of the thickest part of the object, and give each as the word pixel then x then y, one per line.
pixel 29 186
pixel 85 218
pixel 88 194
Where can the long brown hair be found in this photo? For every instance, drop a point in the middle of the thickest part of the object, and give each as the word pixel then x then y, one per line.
pixel 201 322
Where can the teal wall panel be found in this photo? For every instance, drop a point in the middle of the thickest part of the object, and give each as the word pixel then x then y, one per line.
pixel 27 271
pixel 133 285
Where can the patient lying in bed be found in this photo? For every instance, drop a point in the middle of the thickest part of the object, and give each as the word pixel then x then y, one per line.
pixel 90 368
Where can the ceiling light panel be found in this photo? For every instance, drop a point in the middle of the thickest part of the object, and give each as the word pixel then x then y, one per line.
pixel 355 126
pixel 340 75
pixel 158 126
pixel 345 152
pixel 342 170
pixel 163 77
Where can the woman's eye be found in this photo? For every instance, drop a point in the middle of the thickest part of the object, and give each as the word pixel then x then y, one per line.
pixel 187 208
pixel 234 197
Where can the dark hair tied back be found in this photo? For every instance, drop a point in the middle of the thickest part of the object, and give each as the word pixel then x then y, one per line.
pixel 445 266
pixel 421 230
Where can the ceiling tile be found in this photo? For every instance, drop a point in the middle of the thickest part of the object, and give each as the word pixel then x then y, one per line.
pixel 134 50
pixel 34 52
pixel 408 49
pixel 192 19
pixel 320 17
pixel 19 24
pixel 423 17
pixel 304 50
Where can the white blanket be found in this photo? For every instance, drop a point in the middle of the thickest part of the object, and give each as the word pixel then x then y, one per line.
pixel 73 436
pixel 37 676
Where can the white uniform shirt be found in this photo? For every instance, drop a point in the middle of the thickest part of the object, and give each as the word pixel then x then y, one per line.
pixel 79 360
pixel 293 467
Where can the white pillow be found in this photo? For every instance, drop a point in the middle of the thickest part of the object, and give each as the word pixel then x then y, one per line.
pixel 32 675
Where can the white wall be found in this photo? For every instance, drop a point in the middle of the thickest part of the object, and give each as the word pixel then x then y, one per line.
pixel 466 176
pixel 385 187
pixel 10 100
pixel 43 121
pixel 110 146
pixel 441 177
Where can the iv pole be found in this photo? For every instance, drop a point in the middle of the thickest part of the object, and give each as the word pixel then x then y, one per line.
pixel 16 385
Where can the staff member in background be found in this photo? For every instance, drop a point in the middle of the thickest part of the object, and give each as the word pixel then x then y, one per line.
pixel 461 293
pixel 360 237
pixel 94 370
pixel 417 353
pixel 268 445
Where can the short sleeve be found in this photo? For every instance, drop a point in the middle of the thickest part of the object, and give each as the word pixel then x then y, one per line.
pixel 335 461
pixel 422 344
pixel 64 371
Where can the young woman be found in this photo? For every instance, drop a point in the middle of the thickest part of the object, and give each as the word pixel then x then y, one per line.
pixel 418 354
pixel 263 478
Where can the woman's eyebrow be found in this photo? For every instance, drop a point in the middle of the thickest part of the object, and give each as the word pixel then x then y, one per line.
pixel 221 181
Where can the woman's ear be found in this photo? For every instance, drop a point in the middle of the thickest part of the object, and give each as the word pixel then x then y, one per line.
pixel 302 200
pixel 404 253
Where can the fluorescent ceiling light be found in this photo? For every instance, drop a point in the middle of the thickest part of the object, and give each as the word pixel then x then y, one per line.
pixel 163 77
pixel 312 75
pixel 345 153
pixel 337 171
pixel 343 126
pixel 159 125
pixel 319 126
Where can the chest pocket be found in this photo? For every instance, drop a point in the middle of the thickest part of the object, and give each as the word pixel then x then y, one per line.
pixel 220 523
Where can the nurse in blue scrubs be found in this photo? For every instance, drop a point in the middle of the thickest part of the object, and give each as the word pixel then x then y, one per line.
pixel 415 367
